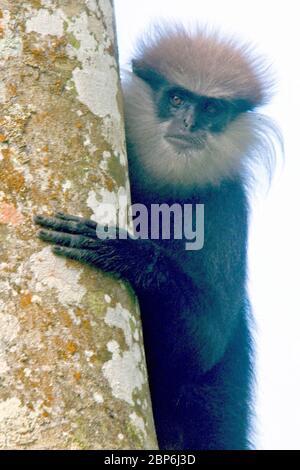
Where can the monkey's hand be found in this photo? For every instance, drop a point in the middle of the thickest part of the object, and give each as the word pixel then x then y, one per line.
pixel 141 262
pixel 76 238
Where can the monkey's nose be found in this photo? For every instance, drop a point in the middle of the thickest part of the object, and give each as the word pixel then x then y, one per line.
pixel 189 120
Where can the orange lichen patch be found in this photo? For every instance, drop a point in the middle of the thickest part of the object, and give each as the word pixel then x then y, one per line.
pixel 49 400
pixel 59 42
pixel 9 214
pixel 19 375
pixel 86 324
pixel 78 124
pixel 93 359
pixel 12 89
pixel 40 117
pixel 80 312
pixel 45 148
pixel 71 347
pixel 47 53
pixel 94 178
pixel 25 300
pixel 3 138
pixel 57 87
pixel 110 50
pixel 12 181
pixel 109 183
pixel 77 376
pixel 38 53
pixel 6 153
pixel 57 54
pixel 33 318
pixel 35 385
pixel 65 318
pixel 16 182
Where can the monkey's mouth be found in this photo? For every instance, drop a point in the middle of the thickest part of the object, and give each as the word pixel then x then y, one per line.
pixel 184 142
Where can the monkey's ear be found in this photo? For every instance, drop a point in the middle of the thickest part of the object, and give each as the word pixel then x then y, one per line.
pixel 149 75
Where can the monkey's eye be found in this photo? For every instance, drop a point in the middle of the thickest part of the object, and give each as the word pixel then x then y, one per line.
pixel 176 100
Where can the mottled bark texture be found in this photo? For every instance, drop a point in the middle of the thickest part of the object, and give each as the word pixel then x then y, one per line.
pixel 72 369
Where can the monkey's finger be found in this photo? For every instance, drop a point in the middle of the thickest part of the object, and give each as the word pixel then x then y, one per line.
pixel 88 222
pixel 86 256
pixel 67 226
pixel 66 239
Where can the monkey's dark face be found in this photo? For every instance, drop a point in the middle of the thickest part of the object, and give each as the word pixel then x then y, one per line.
pixel 191 117
pixel 180 139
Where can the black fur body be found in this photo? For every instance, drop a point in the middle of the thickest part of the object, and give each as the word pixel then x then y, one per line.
pixel 196 327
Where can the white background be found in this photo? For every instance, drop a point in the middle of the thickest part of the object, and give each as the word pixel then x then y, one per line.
pixel 274 283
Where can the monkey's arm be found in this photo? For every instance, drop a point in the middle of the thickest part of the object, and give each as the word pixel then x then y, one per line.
pixel 192 311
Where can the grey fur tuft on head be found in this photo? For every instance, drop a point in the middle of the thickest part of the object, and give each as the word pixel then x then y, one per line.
pixel 207 64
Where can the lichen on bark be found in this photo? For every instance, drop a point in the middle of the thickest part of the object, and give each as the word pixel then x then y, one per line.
pixel 72 364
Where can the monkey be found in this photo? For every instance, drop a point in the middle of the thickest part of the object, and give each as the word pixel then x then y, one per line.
pixel 193 132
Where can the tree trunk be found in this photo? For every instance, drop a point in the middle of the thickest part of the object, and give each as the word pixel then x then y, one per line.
pixel 72 368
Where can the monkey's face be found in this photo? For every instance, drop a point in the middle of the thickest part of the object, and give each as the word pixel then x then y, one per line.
pixel 192 118
pixel 178 138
